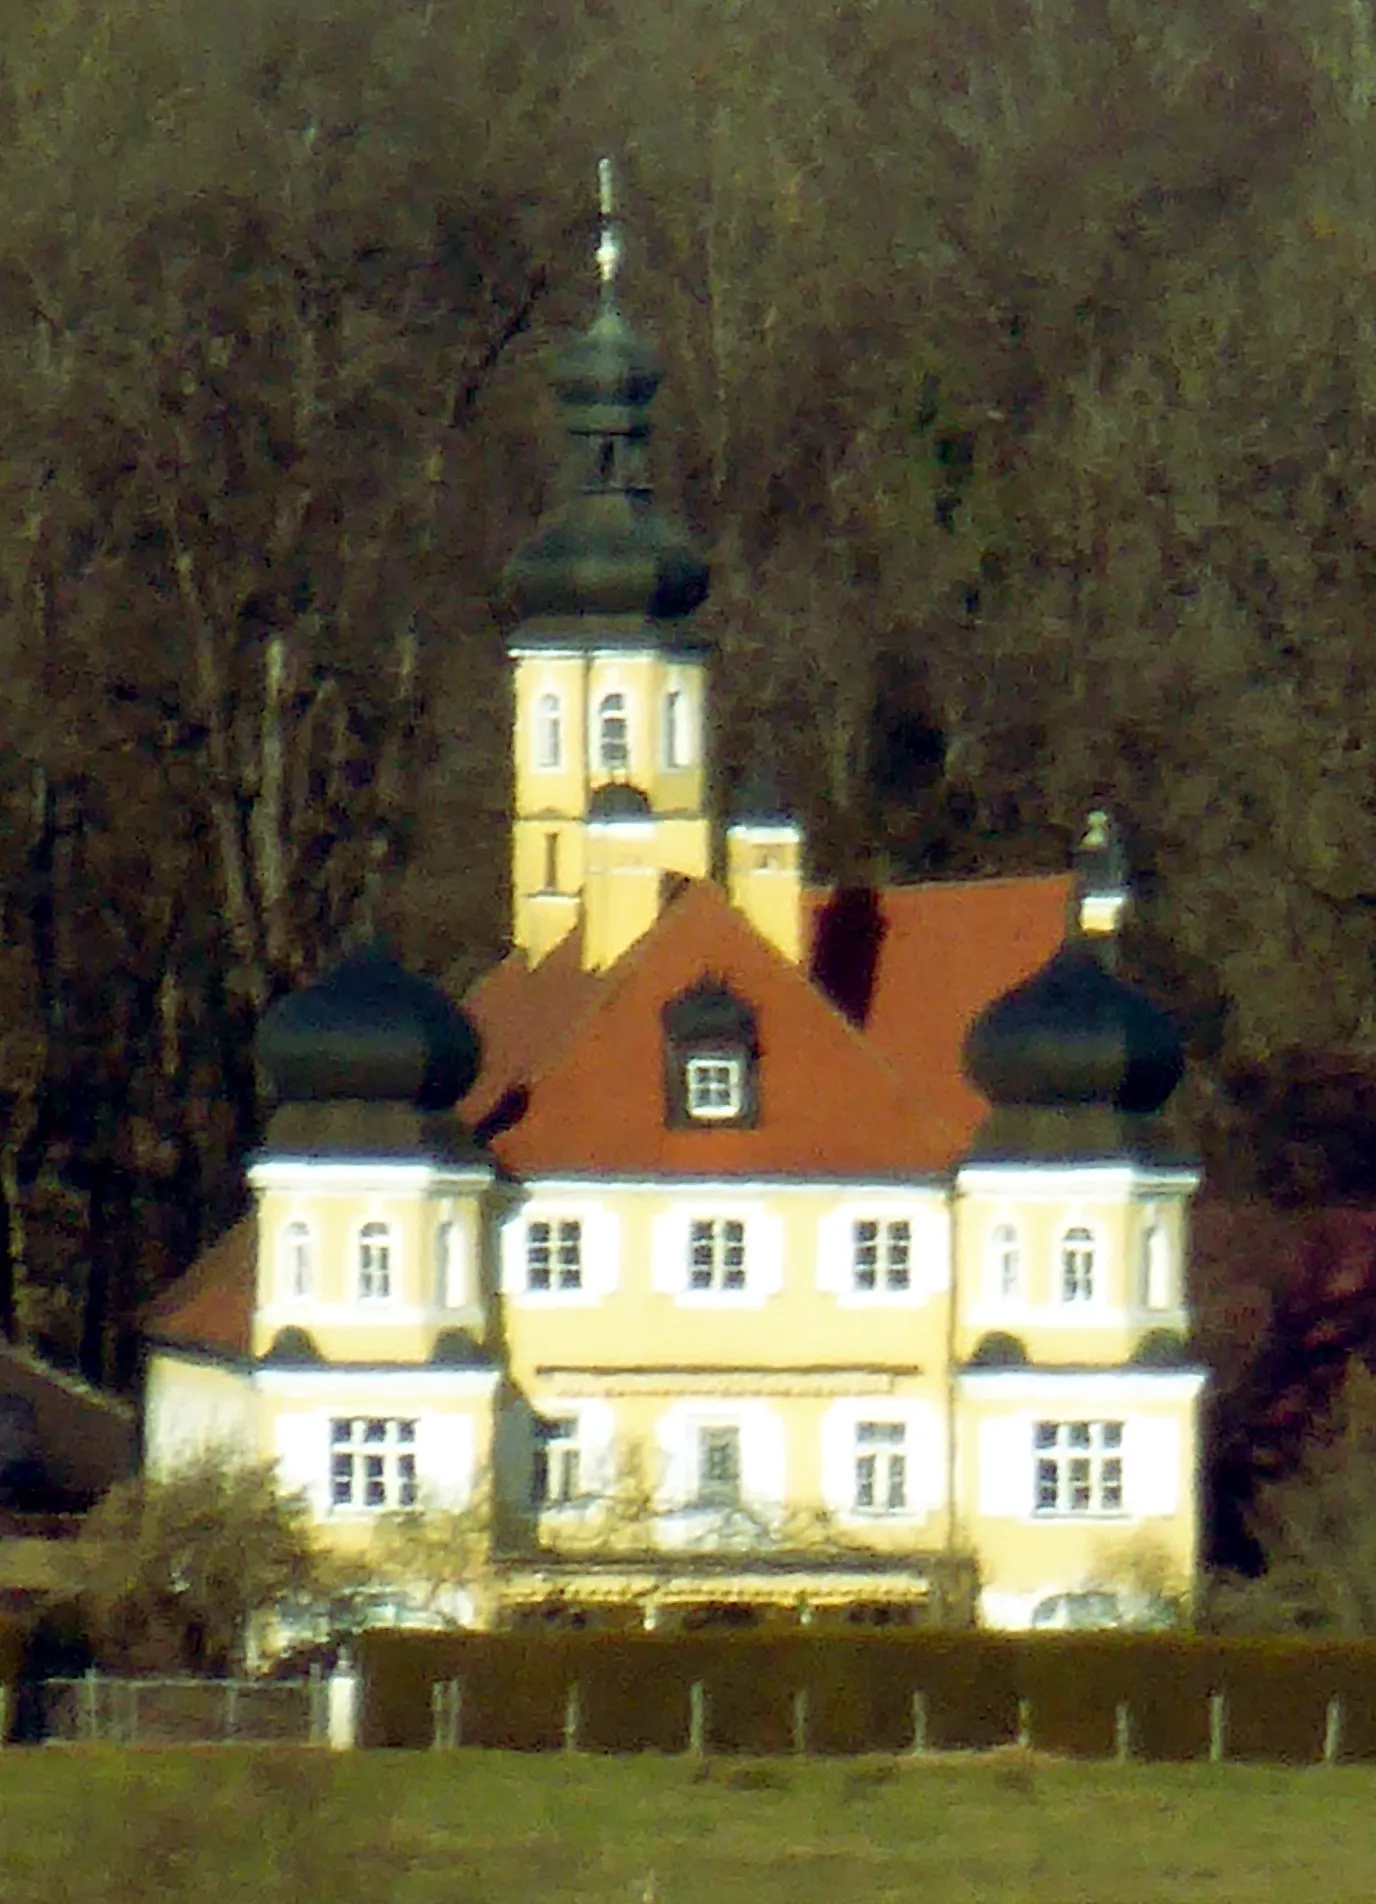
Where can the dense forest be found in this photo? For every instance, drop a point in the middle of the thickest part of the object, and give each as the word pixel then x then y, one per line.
pixel 1022 383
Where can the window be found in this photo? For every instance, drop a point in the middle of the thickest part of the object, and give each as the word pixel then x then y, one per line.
pixel 882 1254
pixel 1079 1467
pixel 549 733
pixel 1156 1268
pixel 677 752
pixel 716 1253
pixel 613 735
pixel 551 862
pixel 298 1267
pixel 374 1262
pixel 881 1466
pixel 1005 1263
pixel 554 1254
pixel 372 1462
pixel 1077 1266
pixel 554 1479
pixel 449 1266
pixel 714 1087
pixel 719 1467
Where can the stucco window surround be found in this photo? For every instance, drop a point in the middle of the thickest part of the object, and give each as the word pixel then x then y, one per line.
pixel 440 1466
pixel 881 1252
pixel 296 1259
pixel 720 1460
pixel 1021 1455
pixel 718 1255
pixel 548 736
pixel 560 1253
pixel 377 1262
pixel 882 1460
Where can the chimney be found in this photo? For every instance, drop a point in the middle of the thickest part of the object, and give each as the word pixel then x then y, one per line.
pixel 622 875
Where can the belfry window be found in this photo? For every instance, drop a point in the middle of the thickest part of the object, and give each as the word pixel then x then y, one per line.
pixel 1077 1265
pixel 613 734
pixel 549 732
pixel 298 1269
pixel 374 1262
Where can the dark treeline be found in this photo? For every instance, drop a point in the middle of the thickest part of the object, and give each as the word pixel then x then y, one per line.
pixel 1021 381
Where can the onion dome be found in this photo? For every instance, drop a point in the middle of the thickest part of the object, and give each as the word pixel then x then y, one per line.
pixel 606 550
pixel 371 1032
pixel 619 800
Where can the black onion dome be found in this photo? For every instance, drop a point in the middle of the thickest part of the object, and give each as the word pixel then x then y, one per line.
pixel 370 1030
pixel 619 800
pixel 1074 1035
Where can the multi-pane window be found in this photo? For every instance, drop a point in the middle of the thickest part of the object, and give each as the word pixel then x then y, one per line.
pixel 374 1262
pixel 1079 1467
pixel 881 1466
pixel 554 1254
pixel 1077 1265
pixel 719 1467
pixel 297 1261
pixel 613 734
pixel 714 1087
pixel 882 1254
pixel 716 1253
pixel 555 1474
pixel 372 1461
pixel 1005 1263
pixel 549 732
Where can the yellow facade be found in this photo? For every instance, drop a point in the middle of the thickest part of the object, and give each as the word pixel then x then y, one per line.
pixel 764 879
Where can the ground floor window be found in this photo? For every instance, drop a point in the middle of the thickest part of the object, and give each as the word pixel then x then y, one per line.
pixel 372 1461
pixel 1079 1467
pixel 881 1466
pixel 719 1467
pixel 555 1477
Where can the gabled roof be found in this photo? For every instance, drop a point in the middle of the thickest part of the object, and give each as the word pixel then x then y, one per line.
pixel 210 1308
pixel 830 1105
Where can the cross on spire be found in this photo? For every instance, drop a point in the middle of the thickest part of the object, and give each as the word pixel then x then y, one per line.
pixel 609 243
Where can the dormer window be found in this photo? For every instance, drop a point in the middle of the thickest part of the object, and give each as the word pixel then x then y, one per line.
pixel 711 1059
pixel 715 1087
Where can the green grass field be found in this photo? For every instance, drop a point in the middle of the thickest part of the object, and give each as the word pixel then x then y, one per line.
pixel 100 1827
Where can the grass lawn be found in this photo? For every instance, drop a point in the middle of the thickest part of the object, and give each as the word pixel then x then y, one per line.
pixel 100 1826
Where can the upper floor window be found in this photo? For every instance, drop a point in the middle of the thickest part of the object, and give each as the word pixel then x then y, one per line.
pixel 1005 1263
pixel 374 1262
pixel 1077 1265
pixel 613 734
pixel 719 1467
pixel 372 1462
pixel 1079 1467
pixel 298 1261
pixel 881 1254
pixel 677 746
pixel 549 732
pixel 555 1478
pixel 881 1466
pixel 554 1254
pixel 716 1253
pixel 1156 1268
pixel 715 1087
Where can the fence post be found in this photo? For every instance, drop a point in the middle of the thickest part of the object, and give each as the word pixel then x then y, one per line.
pixel 1122 1733
pixel 573 1715
pixel 231 1707
pixel 919 1723
pixel 89 1705
pixel 697 1720
pixel 131 1712
pixel 315 1706
pixel 1218 1727
pixel 343 1690
pixel 1024 1725
pixel 800 1721
pixel 5 1695
pixel 1333 1732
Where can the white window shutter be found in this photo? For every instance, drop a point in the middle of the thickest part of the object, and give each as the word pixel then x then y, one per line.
pixel 926 1459
pixel 669 1253
pixel 1005 1467
pixel 833 1254
pixel 1151 1466
pixel 838 1456
pixel 764 1254
pixel 512 1250
pixel 444 1460
pixel 601 1251
pixel 303 1456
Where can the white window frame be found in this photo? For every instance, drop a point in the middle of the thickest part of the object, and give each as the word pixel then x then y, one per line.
pixel 607 715
pixel 714 1087
pixel 1003 1264
pixel 718 1256
pixel 374 1233
pixel 549 732
pixel 554 1247
pixel 882 1481
pixel 558 1463
pixel 1079 1267
pixel 373 1467
pixel 296 1261
pixel 1077 1469
pixel 884 1257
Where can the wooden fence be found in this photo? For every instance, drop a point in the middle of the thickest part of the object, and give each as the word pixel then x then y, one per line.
pixel 99 1708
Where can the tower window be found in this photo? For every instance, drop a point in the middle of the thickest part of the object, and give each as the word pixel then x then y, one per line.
pixel 613 734
pixel 1077 1265
pixel 297 1263
pixel 1005 1262
pixel 549 732
pixel 1156 1268
pixel 374 1262
pixel 677 750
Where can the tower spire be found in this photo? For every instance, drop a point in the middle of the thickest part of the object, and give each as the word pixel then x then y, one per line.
pixel 609 241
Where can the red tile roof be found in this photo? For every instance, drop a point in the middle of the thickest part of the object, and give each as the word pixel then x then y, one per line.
pixel 211 1306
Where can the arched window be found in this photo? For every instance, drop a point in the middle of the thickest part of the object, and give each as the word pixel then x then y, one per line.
pixel 1005 1263
pixel 549 732
pixel 374 1262
pixel 1077 1265
pixel 613 735
pixel 297 1262
pixel 677 748
pixel 1156 1268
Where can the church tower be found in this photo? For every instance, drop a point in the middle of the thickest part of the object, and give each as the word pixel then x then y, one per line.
pixel 610 675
